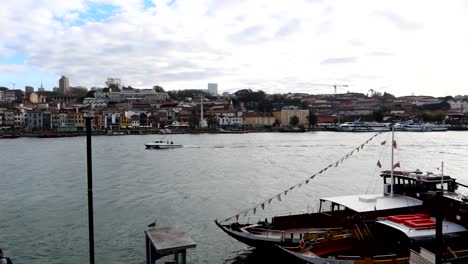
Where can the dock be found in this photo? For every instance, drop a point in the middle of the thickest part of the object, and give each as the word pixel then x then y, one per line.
pixel 162 241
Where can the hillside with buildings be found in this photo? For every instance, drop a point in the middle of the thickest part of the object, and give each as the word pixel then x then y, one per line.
pixel 116 107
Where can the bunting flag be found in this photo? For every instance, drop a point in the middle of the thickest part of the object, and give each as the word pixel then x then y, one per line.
pixel 379 164
pixel 396 165
pixel 383 142
pixel 394 144
pixel 298 185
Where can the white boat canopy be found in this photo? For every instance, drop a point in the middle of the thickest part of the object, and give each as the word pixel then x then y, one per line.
pixel 373 202
pixel 447 228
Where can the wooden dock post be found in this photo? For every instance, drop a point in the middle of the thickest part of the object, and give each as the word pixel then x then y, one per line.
pixel 163 241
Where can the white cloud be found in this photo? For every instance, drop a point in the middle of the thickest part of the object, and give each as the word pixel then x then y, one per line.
pixel 13 68
pixel 418 46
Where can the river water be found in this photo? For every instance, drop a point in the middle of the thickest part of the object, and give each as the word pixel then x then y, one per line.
pixel 43 197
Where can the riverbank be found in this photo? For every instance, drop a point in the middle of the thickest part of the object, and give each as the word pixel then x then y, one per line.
pixel 52 134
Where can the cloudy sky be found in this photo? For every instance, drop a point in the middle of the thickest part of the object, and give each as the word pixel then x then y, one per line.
pixel 402 47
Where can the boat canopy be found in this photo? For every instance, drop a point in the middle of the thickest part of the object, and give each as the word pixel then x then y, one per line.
pixel 373 202
pixel 447 228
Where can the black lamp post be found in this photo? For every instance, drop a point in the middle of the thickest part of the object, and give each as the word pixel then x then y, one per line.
pixel 88 118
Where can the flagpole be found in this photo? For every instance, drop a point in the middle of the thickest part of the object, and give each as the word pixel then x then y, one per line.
pixel 391 166
pixel 442 177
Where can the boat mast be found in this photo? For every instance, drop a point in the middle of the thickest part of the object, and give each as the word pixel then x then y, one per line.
pixel 391 165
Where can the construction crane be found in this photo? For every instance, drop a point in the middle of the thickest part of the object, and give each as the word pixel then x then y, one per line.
pixel 14 85
pixel 330 85
pixel 334 87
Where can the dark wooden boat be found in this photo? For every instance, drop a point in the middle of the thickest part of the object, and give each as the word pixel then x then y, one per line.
pixel 387 240
pixel 342 212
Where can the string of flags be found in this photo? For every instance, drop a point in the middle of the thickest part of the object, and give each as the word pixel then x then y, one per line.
pixel 278 196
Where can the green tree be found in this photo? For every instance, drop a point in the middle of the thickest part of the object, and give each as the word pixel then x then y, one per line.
pixel 378 114
pixel 312 119
pixel 211 121
pixel 194 120
pixel 294 121
pixel 158 89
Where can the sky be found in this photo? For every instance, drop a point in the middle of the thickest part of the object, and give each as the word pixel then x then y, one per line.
pixel 402 47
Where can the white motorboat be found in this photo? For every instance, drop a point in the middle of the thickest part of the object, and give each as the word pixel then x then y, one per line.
pixel 162 144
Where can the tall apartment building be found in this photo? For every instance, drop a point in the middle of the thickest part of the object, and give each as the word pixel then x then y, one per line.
pixel 64 85
pixel 213 88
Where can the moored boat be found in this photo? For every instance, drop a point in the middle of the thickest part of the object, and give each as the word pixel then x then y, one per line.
pixel 386 240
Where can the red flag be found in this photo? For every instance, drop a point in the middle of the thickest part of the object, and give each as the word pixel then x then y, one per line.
pixel 383 143
pixel 263 206
pixel 379 164
pixel 396 165
pixel 394 144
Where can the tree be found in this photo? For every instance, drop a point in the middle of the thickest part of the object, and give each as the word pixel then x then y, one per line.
pixel 158 89
pixel 378 114
pixel 194 121
pixel 294 121
pixel 312 119
pixel 211 121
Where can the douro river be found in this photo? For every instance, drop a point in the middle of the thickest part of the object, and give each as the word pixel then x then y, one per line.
pixel 43 196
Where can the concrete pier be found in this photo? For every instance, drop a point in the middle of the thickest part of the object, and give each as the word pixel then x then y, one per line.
pixel 163 241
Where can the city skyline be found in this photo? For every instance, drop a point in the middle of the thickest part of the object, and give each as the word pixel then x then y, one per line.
pixel 392 46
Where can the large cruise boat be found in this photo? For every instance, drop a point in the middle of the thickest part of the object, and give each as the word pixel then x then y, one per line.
pixel 358 126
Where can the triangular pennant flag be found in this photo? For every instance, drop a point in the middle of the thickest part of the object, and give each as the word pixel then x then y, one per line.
pixel 320 171
pixel 292 188
pixel 299 186
pixel 254 210
pixel 263 206
pixel 246 212
pixel 362 146
pixel 396 165
pixel 269 201
pixel 286 192
pixel 329 166
pixel 383 142
pixel 313 176
pixel 357 149
pixel 237 217
pixel 336 164
pixel 279 197
pixel 325 169
pixel 307 182
pixel 378 164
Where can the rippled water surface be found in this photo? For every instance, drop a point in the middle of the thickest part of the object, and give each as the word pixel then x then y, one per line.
pixel 43 197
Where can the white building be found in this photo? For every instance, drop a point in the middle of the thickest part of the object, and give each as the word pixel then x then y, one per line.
pixel 459 105
pixel 213 88
pixel 230 121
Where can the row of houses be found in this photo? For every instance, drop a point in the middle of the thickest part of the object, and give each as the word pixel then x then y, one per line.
pixel 72 120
